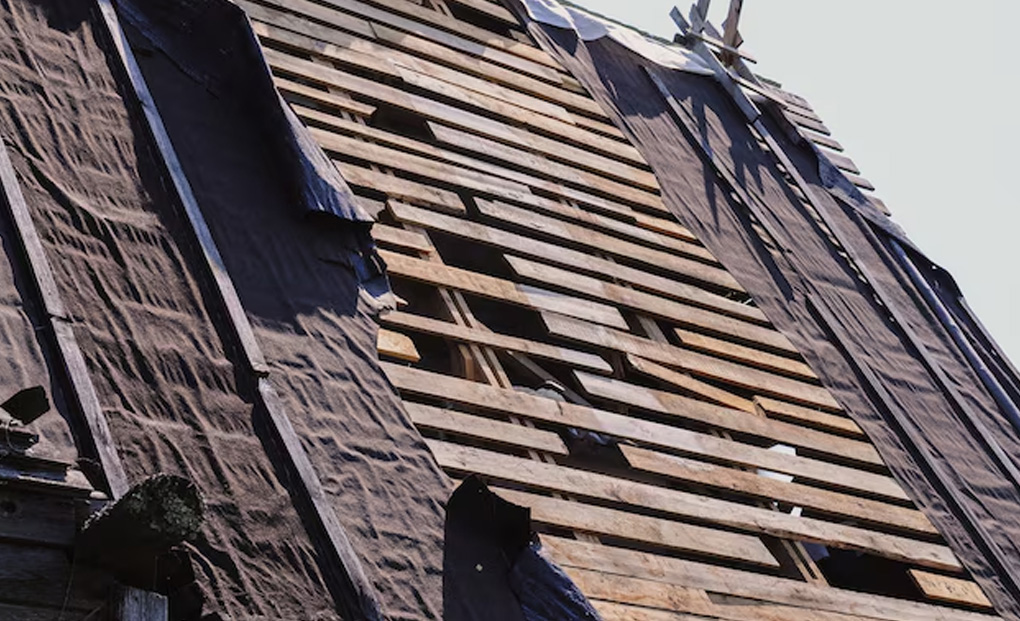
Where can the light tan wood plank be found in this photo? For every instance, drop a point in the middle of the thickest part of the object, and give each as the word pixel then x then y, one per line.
pixel 697 264
pixel 538 164
pixel 499 432
pixel 789 412
pixel 694 575
pixel 686 383
pixel 402 189
pixel 652 434
pixel 834 504
pixel 487 338
pixel 739 326
pixel 951 590
pixel 323 98
pixel 396 345
pixel 519 244
pixel 402 238
pixel 582 483
pixel 497 289
pixel 727 419
pixel 642 529
pixel 493 10
pixel 746 355
pixel 729 373
pixel 634 599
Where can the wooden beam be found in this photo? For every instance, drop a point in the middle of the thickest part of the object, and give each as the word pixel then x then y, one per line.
pixel 481 428
pixel 780 410
pixel 628 526
pixel 582 262
pixel 834 504
pixel 745 355
pixel 719 579
pixel 950 590
pixel 466 334
pixel 685 382
pixel 691 443
pixel 499 289
pixel 704 509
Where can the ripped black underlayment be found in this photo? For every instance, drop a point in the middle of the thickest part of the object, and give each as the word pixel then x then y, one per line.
pixel 494 568
pixel 907 382
pixel 167 369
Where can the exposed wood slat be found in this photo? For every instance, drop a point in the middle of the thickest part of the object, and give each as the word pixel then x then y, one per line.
pixel 586 484
pixel 807 416
pixel 685 382
pixel 729 373
pixel 397 346
pixel 643 529
pixel 479 427
pixel 446 329
pixel 546 251
pixel 498 289
pixel 402 238
pixel 687 442
pixel 841 506
pixel 724 418
pixel 401 189
pixel 951 590
pixel 745 355
pixel 683 266
pixel 740 583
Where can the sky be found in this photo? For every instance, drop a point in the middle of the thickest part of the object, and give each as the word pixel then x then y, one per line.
pixel 924 95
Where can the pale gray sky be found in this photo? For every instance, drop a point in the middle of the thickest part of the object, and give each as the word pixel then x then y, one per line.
pixel 923 94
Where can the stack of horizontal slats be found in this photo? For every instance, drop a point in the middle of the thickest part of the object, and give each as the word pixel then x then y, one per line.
pixel 566 339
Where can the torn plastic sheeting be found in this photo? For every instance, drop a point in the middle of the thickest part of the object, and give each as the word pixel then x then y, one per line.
pixel 590 28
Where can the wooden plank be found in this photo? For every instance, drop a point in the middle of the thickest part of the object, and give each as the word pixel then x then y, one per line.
pixel 834 504
pixel 306 36
pixel 727 419
pixel 644 432
pixel 396 345
pixel 498 289
pixel 582 483
pixel 79 384
pixel 488 338
pixel 538 164
pixel 42 519
pixel 743 354
pixel 634 599
pixel 519 244
pixel 717 579
pixel 402 238
pixel 699 318
pixel 701 268
pixel 402 189
pixel 433 154
pixel 450 115
pixel 781 410
pixel 950 590
pixel 293 90
pixel 701 365
pixel 137 605
pixel 493 10
pixel 642 529
pixel 686 383
pixel 472 426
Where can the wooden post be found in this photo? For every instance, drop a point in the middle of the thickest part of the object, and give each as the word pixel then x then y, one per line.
pixel 132 604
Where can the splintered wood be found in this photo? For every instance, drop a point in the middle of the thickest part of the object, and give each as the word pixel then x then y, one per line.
pixel 568 340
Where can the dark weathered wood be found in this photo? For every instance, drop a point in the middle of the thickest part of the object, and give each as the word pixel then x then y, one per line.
pixel 81 389
pixel 32 517
pixel 36 575
pixel 132 604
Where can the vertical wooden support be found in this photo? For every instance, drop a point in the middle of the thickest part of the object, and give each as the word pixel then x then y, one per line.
pixel 132 604
pixel 358 597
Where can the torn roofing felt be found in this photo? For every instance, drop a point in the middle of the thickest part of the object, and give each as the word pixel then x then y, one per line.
pixel 167 369
pixel 904 380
